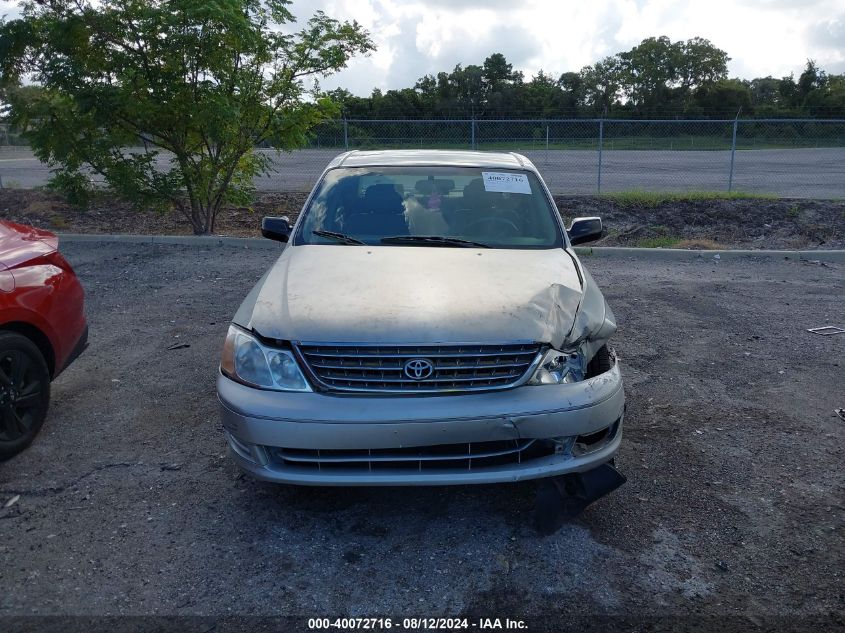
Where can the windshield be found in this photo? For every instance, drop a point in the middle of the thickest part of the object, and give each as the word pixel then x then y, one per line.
pixel 470 206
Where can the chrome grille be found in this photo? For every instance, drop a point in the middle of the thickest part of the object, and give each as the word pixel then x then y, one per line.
pixel 381 368
pixel 440 458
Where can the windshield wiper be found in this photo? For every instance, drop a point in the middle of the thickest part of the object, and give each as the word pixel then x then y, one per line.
pixel 432 240
pixel 339 237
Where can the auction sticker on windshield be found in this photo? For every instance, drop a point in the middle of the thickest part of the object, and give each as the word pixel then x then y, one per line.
pixel 502 182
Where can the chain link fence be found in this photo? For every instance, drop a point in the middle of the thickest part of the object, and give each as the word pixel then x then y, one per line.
pixel 10 137
pixel 783 157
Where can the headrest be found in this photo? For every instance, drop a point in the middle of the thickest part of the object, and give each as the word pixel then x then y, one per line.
pixel 475 190
pixel 442 186
pixel 382 198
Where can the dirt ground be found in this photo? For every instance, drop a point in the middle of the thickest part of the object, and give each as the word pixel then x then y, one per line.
pixel 755 223
pixel 731 519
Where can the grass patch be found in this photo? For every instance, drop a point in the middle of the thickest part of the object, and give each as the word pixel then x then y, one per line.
pixel 700 244
pixel 639 198
pixel 38 207
pixel 662 241
pixel 58 222
pixel 670 241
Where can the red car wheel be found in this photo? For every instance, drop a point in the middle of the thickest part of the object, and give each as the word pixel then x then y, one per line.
pixel 24 393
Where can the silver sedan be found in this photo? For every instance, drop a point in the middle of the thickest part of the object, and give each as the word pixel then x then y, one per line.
pixel 427 322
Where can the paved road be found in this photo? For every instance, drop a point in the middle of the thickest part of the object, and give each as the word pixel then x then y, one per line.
pixel 129 504
pixel 799 173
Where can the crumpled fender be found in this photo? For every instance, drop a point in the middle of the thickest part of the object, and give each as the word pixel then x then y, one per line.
pixel 594 321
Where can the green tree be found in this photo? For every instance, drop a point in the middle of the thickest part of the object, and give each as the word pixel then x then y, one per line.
pixel 765 95
pixel 543 96
pixel 724 98
pixel 426 88
pixel 812 79
pixel 572 85
pixel 660 76
pixel 648 71
pixel 199 84
pixel 496 72
pixel 502 88
pixel 468 88
pixel 700 63
pixel 404 103
pixel 601 84
pixel 833 102
pixel 788 90
pixel 817 91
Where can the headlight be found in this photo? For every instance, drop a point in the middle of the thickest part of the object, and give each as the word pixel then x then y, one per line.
pixel 560 367
pixel 246 360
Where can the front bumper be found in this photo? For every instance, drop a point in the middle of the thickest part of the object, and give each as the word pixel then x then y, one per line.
pixel 262 425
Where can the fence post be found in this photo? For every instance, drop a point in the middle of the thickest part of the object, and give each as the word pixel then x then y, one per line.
pixel 733 153
pixel 601 144
pixel 547 142
pixel 346 134
pixel 472 133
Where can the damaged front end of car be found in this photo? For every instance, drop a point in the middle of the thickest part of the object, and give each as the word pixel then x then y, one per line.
pixel 469 348
pixel 584 354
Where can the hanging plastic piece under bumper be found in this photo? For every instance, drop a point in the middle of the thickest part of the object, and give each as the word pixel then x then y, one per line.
pixel 564 497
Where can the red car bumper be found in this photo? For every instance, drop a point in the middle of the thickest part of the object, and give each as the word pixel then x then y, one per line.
pixel 40 295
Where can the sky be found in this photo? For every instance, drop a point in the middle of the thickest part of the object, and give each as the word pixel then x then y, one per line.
pixel 414 38
pixel 762 37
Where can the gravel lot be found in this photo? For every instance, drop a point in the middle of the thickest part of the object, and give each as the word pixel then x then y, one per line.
pixel 734 505
pixel 789 173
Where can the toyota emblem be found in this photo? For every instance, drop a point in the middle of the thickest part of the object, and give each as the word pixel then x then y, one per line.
pixel 418 368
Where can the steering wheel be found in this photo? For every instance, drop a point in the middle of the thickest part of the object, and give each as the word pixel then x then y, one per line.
pixel 505 228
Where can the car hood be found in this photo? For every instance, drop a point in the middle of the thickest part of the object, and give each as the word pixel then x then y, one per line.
pixel 396 294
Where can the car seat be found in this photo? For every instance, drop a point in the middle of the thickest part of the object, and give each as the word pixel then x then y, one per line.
pixel 475 205
pixel 380 212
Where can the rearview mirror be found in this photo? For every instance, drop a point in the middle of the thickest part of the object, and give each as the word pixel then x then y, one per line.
pixel 278 229
pixel 584 230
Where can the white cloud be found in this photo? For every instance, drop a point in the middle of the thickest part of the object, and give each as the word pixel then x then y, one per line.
pixel 8 8
pixel 416 37
pixel 762 37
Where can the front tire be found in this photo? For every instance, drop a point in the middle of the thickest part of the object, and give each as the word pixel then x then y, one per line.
pixel 24 393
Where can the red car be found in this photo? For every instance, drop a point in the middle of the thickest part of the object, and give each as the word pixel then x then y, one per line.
pixel 42 329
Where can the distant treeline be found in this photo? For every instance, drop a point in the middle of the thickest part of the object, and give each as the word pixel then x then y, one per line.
pixel 656 79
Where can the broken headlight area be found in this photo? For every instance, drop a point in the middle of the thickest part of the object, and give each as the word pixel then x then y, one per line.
pixel 604 360
pixel 560 367
pixel 564 367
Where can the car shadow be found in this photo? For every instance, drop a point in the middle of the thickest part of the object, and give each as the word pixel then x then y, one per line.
pixel 372 511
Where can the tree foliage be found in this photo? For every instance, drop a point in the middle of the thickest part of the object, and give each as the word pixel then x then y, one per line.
pixel 198 84
pixel 658 78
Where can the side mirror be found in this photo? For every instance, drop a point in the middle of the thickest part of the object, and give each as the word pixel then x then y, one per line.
pixel 584 230
pixel 278 229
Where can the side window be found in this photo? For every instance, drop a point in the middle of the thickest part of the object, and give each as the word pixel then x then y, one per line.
pixel 328 206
